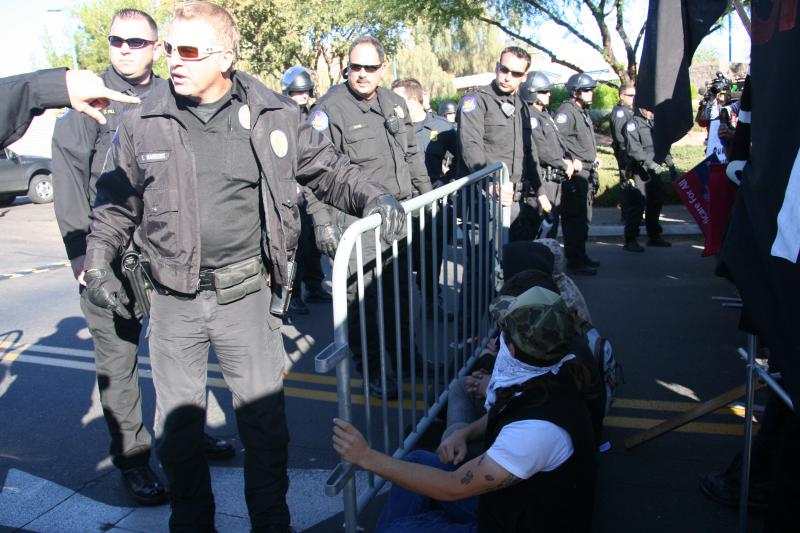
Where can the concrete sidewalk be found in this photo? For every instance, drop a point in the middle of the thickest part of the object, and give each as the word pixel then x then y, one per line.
pixel 676 220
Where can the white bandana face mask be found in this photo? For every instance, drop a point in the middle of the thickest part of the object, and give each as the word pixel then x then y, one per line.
pixel 509 371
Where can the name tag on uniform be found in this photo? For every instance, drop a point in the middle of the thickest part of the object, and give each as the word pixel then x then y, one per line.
pixel 152 157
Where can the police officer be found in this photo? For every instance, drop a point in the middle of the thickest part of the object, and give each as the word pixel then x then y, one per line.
pixel 555 164
pixel 297 84
pixel 79 151
pixel 202 176
pixel 494 126
pixel 447 109
pixel 371 126
pixel 620 115
pixel 575 125
pixel 436 139
pixel 642 190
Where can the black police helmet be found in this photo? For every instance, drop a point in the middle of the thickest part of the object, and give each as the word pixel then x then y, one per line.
pixel 446 107
pixel 580 81
pixel 297 79
pixel 537 81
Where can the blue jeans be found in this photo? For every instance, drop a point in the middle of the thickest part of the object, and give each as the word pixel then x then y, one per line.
pixel 407 511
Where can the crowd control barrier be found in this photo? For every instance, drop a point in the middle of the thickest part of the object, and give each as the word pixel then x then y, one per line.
pixel 454 235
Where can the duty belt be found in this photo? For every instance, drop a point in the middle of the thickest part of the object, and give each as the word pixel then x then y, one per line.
pixel 556 175
pixel 217 279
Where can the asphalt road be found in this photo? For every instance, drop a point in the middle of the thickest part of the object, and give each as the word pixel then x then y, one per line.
pixel 677 346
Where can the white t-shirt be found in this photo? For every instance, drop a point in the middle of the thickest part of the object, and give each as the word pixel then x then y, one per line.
pixel 526 447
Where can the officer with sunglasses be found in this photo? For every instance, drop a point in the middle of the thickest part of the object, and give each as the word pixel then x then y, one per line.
pixel 203 177
pixel 79 147
pixel 494 126
pixel 372 126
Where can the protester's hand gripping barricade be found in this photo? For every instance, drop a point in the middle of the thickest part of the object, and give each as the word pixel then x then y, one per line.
pixel 469 266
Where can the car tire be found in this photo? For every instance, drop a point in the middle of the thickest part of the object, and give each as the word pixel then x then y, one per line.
pixel 7 199
pixel 40 190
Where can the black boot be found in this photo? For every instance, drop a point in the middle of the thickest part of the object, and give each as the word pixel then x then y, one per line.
pixel 632 245
pixel 144 486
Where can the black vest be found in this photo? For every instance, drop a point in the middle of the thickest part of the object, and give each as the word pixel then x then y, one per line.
pixel 559 501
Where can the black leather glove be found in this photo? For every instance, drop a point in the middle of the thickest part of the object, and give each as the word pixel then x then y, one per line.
pixel 327 238
pixel 104 290
pixel 393 217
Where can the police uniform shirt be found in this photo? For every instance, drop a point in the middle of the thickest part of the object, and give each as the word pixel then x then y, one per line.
pixel 227 179
pixel 357 128
pixel 79 149
pixel 575 126
pixel 620 116
pixel 490 130
pixel 436 139
pixel 638 135
pixel 547 139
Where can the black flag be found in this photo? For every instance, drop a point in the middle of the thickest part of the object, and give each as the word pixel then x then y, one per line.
pixel 673 32
pixel 763 241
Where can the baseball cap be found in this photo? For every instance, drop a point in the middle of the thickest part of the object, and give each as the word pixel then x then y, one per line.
pixel 537 321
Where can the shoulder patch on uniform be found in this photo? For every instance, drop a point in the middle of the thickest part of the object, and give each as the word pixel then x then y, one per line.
pixel 319 120
pixel 630 126
pixel 534 123
pixel 63 113
pixel 469 104
pixel 620 113
pixel 398 110
pixel 561 118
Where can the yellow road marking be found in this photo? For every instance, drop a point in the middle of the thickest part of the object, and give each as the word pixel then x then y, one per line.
pixel 10 352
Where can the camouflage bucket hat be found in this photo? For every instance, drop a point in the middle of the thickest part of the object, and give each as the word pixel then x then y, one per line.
pixel 538 322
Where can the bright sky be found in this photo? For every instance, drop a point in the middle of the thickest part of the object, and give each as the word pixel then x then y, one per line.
pixel 27 22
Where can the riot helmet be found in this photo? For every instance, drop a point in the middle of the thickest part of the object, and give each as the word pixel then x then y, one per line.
pixel 447 107
pixel 537 81
pixel 579 81
pixel 297 79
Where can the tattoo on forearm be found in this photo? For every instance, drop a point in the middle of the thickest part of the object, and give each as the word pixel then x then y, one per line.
pixel 481 459
pixel 505 483
pixel 467 479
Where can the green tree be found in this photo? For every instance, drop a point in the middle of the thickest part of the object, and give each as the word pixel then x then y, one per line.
pixel 277 34
pixel 606 23
pixel 94 19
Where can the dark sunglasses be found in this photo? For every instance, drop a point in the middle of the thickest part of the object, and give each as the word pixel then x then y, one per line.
pixel 586 90
pixel 133 43
pixel 505 70
pixel 192 52
pixel 369 69
pixel 543 92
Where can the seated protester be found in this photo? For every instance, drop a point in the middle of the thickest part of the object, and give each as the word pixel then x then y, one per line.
pixel 538 472
pixel 466 397
pixel 599 346
pixel 566 286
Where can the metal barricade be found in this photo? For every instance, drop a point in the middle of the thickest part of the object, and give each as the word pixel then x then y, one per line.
pixel 469 206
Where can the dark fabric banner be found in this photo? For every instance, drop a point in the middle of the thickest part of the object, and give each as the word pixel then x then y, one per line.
pixel 673 32
pixel 762 244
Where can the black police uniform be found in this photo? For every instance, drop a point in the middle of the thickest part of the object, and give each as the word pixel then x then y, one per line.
pixel 26 96
pixel 493 127
pixel 642 190
pixel 376 135
pixel 437 141
pixel 620 115
pixel 79 150
pixel 257 151
pixel 552 153
pixel 309 267
pixel 575 126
